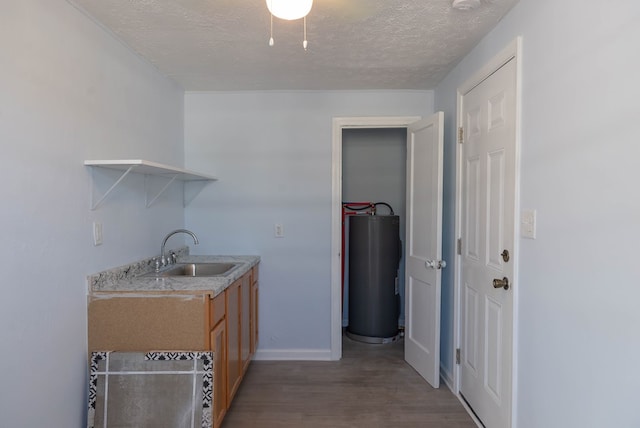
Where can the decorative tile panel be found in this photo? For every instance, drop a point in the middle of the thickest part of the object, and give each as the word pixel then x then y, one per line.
pixel 140 390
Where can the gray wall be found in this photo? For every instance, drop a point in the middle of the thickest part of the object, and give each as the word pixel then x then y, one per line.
pixel 374 165
pixel 272 152
pixel 69 92
pixel 578 283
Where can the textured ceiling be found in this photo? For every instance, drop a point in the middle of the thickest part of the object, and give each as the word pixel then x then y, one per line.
pixel 353 44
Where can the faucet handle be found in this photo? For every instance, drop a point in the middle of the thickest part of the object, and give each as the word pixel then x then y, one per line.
pixel 157 263
pixel 172 258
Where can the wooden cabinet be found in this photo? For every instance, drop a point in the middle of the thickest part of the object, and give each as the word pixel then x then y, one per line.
pixel 245 322
pixel 234 363
pixel 233 335
pixel 254 310
pixel 219 347
pixel 226 324
pixel 239 332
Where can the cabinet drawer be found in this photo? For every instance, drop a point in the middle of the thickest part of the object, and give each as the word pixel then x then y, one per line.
pixel 217 310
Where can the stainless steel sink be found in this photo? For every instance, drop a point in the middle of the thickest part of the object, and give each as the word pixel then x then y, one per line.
pixel 196 269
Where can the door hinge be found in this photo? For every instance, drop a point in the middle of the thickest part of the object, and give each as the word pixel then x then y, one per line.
pixel 458 356
pixel 459 246
pixel 460 135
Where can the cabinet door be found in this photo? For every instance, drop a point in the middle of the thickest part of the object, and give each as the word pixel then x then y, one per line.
pixel 254 311
pixel 234 363
pixel 245 322
pixel 218 346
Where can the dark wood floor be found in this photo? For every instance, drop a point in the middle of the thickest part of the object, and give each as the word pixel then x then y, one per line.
pixel 370 387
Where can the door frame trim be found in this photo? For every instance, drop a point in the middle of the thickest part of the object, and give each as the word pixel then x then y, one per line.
pixel 338 124
pixel 513 51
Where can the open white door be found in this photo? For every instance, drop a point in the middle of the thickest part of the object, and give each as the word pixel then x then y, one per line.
pixel 424 247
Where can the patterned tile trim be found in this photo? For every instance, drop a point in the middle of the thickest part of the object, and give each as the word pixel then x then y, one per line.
pixel 96 357
pixel 207 378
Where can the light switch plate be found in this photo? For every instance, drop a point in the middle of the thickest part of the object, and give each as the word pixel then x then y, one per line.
pixel 97 233
pixel 528 224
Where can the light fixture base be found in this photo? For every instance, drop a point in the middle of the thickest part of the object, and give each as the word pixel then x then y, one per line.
pixel 465 4
pixel 289 9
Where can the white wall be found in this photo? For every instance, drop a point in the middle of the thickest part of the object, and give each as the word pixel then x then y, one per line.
pixel 579 280
pixel 69 92
pixel 272 152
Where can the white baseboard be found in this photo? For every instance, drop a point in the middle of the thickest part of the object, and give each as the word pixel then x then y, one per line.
pixel 293 355
pixel 447 377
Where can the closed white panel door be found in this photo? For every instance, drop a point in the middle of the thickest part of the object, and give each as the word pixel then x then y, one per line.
pixel 488 240
pixel 424 247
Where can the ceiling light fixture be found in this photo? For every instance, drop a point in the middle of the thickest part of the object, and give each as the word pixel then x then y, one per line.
pixel 290 10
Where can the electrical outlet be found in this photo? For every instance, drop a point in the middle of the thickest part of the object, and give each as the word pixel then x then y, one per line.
pixel 278 230
pixel 97 233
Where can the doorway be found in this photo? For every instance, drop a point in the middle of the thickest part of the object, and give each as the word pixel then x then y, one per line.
pixel 424 236
pixel 374 169
pixel 340 124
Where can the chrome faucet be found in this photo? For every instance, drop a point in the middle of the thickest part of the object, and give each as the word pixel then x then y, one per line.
pixel 169 260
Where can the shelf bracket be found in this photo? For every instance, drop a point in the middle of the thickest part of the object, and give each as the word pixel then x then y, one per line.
pixel 95 205
pixel 148 202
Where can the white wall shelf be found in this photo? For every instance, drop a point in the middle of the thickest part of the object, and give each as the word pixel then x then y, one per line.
pixel 149 169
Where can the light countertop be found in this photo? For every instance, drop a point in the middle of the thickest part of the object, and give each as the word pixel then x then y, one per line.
pixel 131 278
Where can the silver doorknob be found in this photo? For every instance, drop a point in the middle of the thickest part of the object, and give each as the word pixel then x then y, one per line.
pixel 501 283
pixel 435 264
